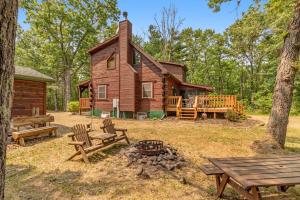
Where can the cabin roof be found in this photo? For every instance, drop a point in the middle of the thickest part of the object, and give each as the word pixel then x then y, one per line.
pixel 26 73
pixel 103 44
pixel 172 63
pixel 158 64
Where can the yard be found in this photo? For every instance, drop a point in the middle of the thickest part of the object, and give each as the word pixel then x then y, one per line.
pixel 39 170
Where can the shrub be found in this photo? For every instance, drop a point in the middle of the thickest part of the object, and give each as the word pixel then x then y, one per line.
pixel 156 114
pixel 73 106
pixel 232 116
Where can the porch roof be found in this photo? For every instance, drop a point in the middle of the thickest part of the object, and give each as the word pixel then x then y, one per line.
pixel 207 88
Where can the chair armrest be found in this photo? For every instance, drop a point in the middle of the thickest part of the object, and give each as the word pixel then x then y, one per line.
pixel 71 135
pixel 76 143
pixel 121 129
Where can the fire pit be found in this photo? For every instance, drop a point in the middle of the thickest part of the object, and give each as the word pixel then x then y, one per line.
pixel 150 147
pixel 154 155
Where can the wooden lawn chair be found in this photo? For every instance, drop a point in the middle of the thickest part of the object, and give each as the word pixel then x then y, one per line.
pixel 82 142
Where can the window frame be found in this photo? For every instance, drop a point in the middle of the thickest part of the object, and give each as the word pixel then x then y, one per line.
pixel 134 56
pixel 151 86
pixel 113 55
pixel 105 89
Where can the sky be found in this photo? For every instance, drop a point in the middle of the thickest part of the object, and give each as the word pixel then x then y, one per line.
pixel 196 13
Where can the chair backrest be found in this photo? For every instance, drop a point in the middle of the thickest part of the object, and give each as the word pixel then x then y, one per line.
pixel 109 127
pixel 81 134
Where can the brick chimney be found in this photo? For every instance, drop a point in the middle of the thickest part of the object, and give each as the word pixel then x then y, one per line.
pixel 127 75
pixel 125 37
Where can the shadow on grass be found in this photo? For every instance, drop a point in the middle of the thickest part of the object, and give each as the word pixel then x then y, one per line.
pixel 58 184
pixel 292 144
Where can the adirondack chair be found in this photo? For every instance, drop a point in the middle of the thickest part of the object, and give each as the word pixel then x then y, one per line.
pixel 110 135
pixel 82 142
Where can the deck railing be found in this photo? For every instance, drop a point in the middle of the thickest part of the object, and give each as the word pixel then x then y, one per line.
pixel 174 103
pixel 84 103
pixel 216 101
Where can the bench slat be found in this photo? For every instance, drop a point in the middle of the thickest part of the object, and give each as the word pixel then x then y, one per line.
pixel 211 170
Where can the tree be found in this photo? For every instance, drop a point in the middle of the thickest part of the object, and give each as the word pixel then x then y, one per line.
pixel 284 85
pixel 68 29
pixel 8 21
pixel 246 39
pixel 167 26
pixel 286 71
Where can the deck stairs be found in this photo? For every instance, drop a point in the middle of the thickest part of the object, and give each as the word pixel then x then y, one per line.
pixel 188 113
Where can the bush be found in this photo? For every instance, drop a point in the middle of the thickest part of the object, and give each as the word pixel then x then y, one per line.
pixel 156 114
pixel 232 116
pixel 73 106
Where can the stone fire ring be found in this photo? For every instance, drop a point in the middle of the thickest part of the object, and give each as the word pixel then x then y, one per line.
pixel 150 147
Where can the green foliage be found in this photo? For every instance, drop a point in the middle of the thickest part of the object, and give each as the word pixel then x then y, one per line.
pixel 96 112
pixel 73 106
pixel 263 102
pixel 232 116
pixel 156 114
pixel 59 35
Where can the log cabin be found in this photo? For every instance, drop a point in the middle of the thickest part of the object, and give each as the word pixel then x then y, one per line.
pixel 29 95
pixel 126 81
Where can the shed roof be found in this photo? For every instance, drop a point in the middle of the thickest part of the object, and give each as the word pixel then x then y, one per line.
pixel 26 73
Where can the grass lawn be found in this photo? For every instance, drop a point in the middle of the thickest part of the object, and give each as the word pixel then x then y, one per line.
pixel 39 170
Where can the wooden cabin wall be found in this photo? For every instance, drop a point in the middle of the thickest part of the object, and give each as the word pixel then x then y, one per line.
pixel 103 76
pixel 148 72
pixel 28 94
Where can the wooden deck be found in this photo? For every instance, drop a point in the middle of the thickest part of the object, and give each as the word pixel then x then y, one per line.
pixel 204 104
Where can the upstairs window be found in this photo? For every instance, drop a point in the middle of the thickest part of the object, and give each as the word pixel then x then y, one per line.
pixel 136 57
pixel 147 90
pixel 111 61
pixel 102 89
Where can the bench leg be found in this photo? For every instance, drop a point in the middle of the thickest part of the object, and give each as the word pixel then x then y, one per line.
pixel 224 181
pixel 22 142
pixel 84 156
pixel 255 193
pixel 218 181
pixel 127 140
pixel 75 154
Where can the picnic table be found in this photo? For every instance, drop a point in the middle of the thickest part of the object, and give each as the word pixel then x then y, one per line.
pixel 247 174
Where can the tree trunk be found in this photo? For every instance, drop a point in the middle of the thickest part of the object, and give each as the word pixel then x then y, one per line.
pixel 55 100
pixel 67 91
pixel 8 21
pixel 283 91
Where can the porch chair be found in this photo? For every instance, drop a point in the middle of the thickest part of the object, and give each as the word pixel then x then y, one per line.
pixel 82 142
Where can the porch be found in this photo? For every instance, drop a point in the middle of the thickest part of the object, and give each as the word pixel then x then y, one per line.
pixel 189 108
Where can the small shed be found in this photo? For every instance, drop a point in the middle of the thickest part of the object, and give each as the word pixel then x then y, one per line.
pixel 30 92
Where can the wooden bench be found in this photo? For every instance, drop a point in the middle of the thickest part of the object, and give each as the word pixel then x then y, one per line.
pixel 20 136
pixel 211 170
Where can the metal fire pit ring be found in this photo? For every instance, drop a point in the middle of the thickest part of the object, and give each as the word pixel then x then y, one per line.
pixel 150 147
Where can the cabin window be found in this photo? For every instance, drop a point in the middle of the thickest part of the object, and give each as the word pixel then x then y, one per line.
pixel 136 57
pixel 111 62
pixel 147 90
pixel 102 89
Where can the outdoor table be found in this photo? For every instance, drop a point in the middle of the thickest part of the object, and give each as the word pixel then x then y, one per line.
pixel 247 174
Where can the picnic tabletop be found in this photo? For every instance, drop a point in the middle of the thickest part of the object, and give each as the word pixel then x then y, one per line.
pixel 261 171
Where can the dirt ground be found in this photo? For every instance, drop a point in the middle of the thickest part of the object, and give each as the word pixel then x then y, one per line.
pixel 40 170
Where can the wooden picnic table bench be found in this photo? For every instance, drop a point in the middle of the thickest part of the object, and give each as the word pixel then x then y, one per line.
pixel 20 136
pixel 247 174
